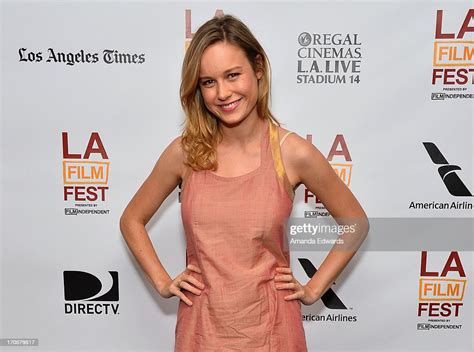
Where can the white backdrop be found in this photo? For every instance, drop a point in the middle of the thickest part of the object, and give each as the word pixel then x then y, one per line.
pixel 124 102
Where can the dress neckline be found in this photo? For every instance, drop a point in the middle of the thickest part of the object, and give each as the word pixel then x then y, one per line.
pixel 254 171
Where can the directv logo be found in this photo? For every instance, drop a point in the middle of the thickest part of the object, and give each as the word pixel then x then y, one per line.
pixel 88 294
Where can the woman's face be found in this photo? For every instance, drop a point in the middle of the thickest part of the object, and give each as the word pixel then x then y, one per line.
pixel 228 83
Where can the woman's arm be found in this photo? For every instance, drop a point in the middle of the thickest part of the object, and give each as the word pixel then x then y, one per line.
pixel 309 167
pixel 164 178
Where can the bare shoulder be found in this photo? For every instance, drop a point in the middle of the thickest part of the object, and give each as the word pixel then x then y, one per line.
pixel 297 154
pixel 173 157
pixel 297 147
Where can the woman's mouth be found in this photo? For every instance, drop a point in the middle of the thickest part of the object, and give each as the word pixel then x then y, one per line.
pixel 231 106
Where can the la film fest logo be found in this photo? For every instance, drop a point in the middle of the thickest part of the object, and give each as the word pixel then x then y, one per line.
pixel 453 56
pixel 328 58
pixel 441 293
pixel 85 176
pixel 188 27
pixel 108 56
pixel 341 161
pixel 450 181
pixel 84 293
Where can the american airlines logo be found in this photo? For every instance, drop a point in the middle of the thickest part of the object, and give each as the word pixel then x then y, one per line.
pixel 447 172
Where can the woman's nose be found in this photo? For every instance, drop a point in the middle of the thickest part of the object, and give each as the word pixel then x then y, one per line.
pixel 223 91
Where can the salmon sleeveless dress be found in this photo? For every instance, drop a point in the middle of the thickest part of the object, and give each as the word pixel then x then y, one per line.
pixel 235 233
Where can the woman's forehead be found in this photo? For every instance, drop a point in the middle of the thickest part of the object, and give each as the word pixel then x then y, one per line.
pixel 220 57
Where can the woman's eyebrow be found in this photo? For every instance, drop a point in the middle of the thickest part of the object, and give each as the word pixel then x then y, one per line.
pixel 225 72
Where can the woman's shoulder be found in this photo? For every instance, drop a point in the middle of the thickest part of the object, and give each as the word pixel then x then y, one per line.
pixel 174 156
pixel 292 140
pixel 295 149
pixel 282 132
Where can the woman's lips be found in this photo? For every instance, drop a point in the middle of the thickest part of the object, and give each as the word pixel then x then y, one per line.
pixel 230 107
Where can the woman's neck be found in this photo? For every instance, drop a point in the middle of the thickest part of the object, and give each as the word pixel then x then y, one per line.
pixel 246 132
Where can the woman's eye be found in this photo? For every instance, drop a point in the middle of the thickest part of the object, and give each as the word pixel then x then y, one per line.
pixel 233 74
pixel 206 83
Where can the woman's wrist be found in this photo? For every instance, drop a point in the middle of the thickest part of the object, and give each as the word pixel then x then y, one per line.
pixel 315 289
pixel 160 284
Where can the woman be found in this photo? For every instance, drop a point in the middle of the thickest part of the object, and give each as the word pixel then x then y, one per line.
pixel 238 170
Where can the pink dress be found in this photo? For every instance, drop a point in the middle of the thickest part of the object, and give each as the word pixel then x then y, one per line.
pixel 235 233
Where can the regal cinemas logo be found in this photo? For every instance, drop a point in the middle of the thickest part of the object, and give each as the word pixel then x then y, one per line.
pixel 84 293
pixel 328 58
pixel 85 176
pixel 453 56
pixel 188 25
pixel 341 162
pixel 441 293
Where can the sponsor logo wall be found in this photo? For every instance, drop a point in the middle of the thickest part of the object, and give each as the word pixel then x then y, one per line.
pixel 384 90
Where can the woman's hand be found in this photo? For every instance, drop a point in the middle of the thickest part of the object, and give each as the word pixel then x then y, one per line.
pixel 183 281
pixel 286 281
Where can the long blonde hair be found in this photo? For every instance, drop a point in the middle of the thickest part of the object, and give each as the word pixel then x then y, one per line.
pixel 201 133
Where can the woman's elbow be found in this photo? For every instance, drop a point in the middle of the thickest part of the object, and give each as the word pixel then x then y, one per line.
pixel 365 227
pixel 124 223
pixel 129 222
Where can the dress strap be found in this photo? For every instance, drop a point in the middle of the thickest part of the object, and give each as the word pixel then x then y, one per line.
pixel 284 137
pixel 277 159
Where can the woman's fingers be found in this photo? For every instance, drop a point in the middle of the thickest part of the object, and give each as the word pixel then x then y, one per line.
pixel 192 279
pixel 295 295
pixel 187 282
pixel 183 297
pixel 286 281
pixel 289 286
pixel 194 268
pixel 284 269
pixel 176 290
pixel 195 281
pixel 285 274
pixel 302 293
pixel 190 288
pixel 284 278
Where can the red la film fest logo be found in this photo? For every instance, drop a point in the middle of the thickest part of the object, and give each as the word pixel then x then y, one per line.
pixel 441 293
pixel 341 162
pixel 453 51
pixel 189 27
pixel 85 176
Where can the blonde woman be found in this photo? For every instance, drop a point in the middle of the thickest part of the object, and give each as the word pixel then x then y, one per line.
pixel 239 170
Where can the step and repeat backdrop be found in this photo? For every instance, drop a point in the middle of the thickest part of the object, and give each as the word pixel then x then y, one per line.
pixel 89 97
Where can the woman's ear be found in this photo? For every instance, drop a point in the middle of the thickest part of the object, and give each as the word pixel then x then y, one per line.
pixel 259 66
